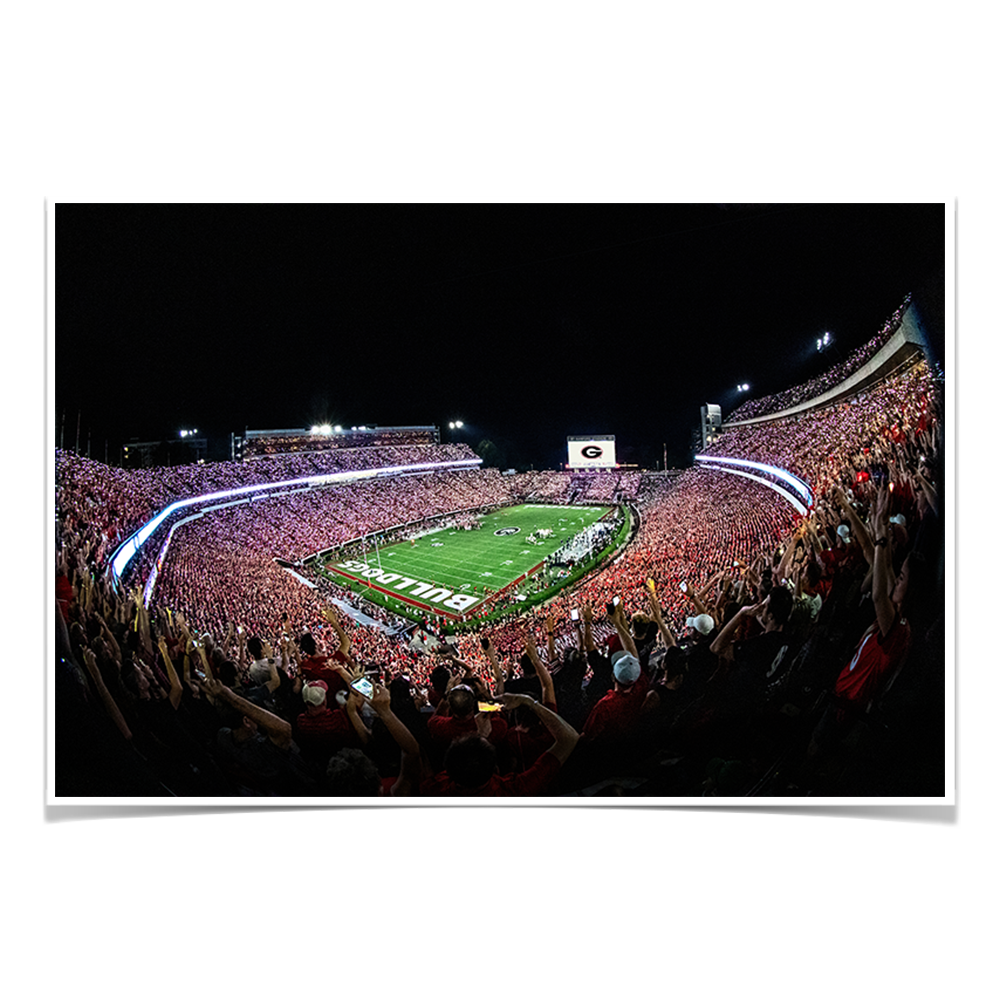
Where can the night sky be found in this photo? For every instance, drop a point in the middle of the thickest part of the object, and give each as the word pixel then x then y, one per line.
pixel 527 322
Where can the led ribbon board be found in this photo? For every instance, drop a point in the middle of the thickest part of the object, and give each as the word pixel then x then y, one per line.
pixel 798 485
pixel 794 501
pixel 127 550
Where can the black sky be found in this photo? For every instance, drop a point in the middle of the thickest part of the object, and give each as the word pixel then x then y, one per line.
pixel 527 322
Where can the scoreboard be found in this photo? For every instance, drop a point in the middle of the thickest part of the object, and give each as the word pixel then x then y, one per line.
pixel 594 452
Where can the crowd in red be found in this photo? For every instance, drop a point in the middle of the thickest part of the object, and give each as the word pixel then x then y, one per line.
pixel 715 546
pixel 828 380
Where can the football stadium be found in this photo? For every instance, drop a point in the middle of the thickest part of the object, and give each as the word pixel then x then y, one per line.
pixel 380 611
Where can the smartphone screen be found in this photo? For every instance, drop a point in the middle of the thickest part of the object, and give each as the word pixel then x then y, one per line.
pixel 574 615
pixel 489 706
pixel 363 686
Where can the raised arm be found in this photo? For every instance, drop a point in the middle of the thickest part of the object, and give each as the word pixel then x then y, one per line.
pixel 204 660
pixel 928 489
pixel 278 730
pixel 345 639
pixel 109 703
pixel 273 681
pixel 409 764
pixel 244 666
pixel 857 526
pixel 187 673
pixel 548 688
pixel 654 607
pixel 176 691
pixel 706 590
pixel 618 620
pixel 883 578
pixel 565 736
pixel 354 702
pixel 722 645
pixel 699 605
pixel 495 668
pixel 785 566
pixel 588 628
pixel 112 641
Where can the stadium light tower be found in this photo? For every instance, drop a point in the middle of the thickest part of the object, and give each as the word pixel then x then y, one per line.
pixel 822 343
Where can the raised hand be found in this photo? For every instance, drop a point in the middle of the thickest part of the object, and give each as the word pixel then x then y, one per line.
pixel 380 699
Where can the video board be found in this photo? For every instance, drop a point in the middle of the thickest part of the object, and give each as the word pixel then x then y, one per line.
pixel 594 452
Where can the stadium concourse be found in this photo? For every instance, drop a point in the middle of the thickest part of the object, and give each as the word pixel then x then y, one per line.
pixel 758 648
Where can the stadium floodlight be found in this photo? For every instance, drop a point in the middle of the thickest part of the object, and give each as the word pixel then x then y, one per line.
pixel 338 428
pixel 458 423
pixel 326 429
pixel 314 429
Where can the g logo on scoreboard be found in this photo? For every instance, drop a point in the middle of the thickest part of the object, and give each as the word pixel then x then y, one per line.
pixel 506 531
pixel 591 451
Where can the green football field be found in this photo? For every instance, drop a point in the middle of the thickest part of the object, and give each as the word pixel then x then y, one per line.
pixel 452 571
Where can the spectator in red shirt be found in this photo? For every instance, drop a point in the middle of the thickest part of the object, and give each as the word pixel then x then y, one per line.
pixel 883 647
pixel 315 666
pixel 456 717
pixel 320 730
pixel 471 763
pixel 613 715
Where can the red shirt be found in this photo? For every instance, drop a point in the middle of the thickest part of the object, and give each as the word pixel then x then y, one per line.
pixel 526 746
pixel 873 660
pixel 314 668
pixel 444 728
pixel 328 730
pixel 534 781
pixel 64 594
pixel 615 713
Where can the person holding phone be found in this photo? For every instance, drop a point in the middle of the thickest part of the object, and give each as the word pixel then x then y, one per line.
pixel 321 730
pixel 349 772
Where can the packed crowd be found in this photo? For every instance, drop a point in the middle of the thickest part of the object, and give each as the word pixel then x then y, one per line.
pixel 258 445
pixel 113 503
pixel 733 647
pixel 811 445
pixel 222 566
pixel 831 378
pixel 606 487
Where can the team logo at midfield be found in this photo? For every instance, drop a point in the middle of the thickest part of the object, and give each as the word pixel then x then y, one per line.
pixel 506 531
